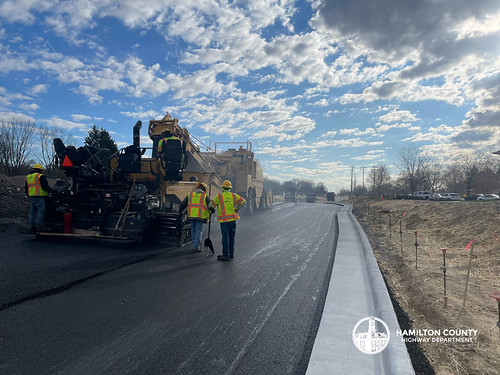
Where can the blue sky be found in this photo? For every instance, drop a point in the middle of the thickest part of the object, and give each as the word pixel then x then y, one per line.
pixel 318 86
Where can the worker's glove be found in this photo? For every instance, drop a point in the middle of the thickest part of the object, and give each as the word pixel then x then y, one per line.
pixel 236 210
pixel 212 210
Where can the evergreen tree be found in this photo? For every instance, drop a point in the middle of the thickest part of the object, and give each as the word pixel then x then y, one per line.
pixel 101 139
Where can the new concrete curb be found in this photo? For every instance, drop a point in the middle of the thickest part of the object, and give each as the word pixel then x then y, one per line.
pixel 356 291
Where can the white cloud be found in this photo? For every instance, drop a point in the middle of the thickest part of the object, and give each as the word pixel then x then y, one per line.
pixel 384 127
pixel 7 98
pixel 278 150
pixel 40 89
pixel 144 115
pixel 29 107
pixel 332 165
pixel 402 30
pixel 289 128
pixel 348 131
pixel 454 45
pixel 421 137
pixel 21 10
pixel 350 143
pixel 398 116
pixel 443 129
pixel 330 133
pixel 473 27
pixel 65 124
pixel 370 157
pixel 14 62
pixel 146 141
pixel 77 117
pixel 322 102
pixel 9 116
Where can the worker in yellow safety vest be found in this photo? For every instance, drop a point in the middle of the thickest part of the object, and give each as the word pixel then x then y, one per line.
pixel 36 188
pixel 227 204
pixel 166 136
pixel 197 203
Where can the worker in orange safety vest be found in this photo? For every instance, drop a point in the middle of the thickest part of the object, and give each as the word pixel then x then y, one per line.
pixel 197 203
pixel 227 204
pixel 36 188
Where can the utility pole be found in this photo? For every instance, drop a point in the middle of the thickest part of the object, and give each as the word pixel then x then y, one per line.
pixel 352 176
pixel 363 168
pixel 374 180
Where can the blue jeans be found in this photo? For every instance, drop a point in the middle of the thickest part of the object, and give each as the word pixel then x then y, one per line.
pixel 37 212
pixel 228 230
pixel 197 227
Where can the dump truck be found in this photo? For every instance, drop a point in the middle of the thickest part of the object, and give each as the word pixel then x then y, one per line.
pixel 131 197
pixel 236 162
pixel 291 195
pixel 311 197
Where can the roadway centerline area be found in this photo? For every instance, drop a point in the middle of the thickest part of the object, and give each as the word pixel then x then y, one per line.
pixel 185 313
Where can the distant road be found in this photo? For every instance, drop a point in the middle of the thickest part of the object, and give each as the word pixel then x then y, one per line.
pixel 85 309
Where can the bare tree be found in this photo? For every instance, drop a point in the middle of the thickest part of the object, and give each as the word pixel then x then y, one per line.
pixel 414 168
pixel 46 155
pixel 473 172
pixel 16 137
pixel 453 179
pixel 486 181
pixel 380 178
pixel 484 161
pixel 305 186
pixel 435 176
pixel 46 137
pixel 469 167
pixel 320 189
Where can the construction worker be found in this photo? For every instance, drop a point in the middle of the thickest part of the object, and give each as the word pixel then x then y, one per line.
pixel 227 204
pixel 197 203
pixel 37 188
pixel 166 136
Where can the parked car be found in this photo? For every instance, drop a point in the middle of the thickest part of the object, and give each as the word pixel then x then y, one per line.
pixel 487 197
pixel 421 195
pixel 436 197
pixel 450 196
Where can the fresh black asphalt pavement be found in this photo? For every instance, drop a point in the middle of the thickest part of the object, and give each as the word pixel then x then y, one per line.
pixel 155 310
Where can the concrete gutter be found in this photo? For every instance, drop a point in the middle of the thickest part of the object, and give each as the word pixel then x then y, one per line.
pixel 356 291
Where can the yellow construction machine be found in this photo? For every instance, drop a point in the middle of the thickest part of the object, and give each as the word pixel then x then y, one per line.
pixel 237 163
pixel 135 197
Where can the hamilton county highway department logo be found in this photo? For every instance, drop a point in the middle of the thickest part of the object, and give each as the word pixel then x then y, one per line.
pixel 371 335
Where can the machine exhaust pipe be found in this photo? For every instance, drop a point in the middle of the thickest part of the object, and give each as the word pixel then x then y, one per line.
pixel 137 134
pixel 59 147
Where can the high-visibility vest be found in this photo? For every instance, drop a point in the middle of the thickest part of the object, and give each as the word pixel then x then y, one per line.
pixel 226 203
pixel 197 207
pixel 164 140
pixel 34 186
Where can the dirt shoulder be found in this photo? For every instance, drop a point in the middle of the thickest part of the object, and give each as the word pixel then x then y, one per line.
pixel 457 339
pixel 14 206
